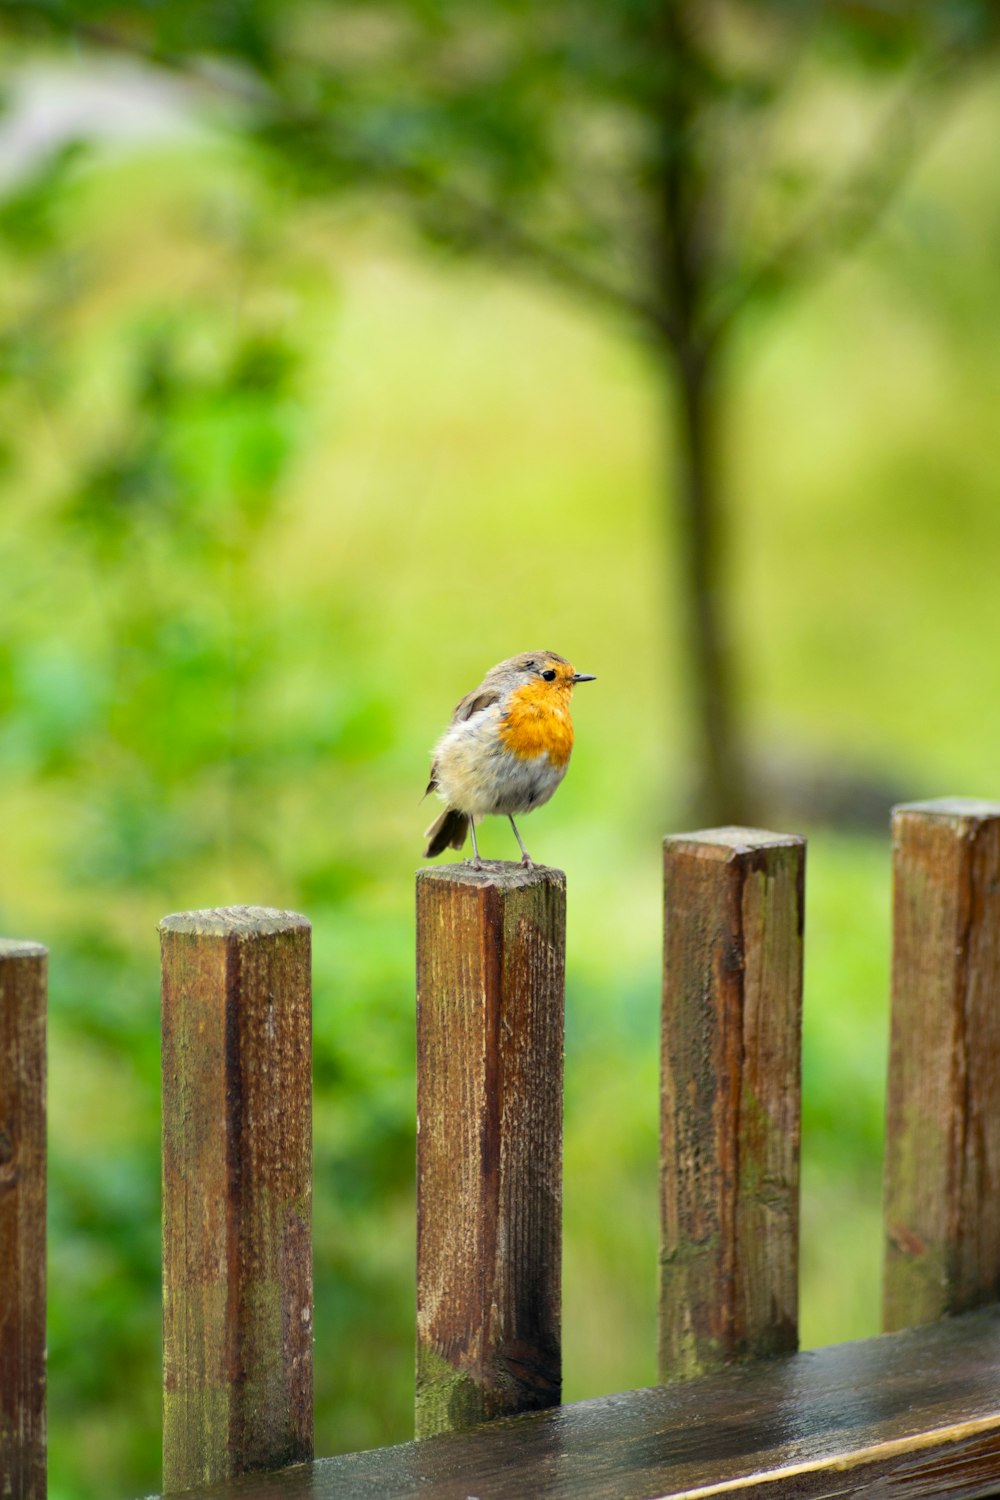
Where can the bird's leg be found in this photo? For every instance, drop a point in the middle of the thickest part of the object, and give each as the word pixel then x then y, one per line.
pixel 526 859
pixel 477 863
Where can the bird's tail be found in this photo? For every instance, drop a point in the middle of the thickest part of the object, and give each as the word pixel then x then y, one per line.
pixel 446 832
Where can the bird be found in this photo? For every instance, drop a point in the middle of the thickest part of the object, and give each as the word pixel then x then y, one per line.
pixel 506 749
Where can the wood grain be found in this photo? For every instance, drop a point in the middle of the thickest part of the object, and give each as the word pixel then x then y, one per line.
pixel 909 1416
pixel 490 1005
pixel 730 1103
pixel 942 1158
pixel 237 1185
pixel 22 1220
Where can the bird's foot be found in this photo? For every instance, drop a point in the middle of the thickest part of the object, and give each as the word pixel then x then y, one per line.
pixel 475 864
pixel 527 862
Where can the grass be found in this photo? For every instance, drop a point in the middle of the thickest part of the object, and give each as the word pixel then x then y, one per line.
pixel 231 697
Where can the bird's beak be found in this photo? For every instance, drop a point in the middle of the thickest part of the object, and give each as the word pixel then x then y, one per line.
pixel 584 677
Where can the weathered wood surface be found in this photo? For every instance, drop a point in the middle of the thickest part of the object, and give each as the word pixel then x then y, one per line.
pixel 237 1186
pixel 730 1107
pixel 942 1158
pixel 22 1220
pixel 909 1416
pixel 490 1009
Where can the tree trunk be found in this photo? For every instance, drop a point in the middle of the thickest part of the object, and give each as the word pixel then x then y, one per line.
pixel 685 253
pixel 721 793
pixel 684 258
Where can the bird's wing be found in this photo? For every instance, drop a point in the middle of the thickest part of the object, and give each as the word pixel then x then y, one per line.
pixel 472 703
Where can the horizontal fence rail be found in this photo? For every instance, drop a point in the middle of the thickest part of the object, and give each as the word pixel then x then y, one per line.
pixel 912 1415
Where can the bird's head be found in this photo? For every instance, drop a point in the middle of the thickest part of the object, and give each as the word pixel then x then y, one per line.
pixel 545 672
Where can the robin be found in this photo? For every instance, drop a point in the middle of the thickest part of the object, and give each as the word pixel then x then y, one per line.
pixel 506 749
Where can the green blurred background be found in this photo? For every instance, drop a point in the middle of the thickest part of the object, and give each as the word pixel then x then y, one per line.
pixel 279 483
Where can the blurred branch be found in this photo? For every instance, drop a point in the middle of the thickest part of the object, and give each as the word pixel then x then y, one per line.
pixel 495 232
pixel 854 206
pixel 489 228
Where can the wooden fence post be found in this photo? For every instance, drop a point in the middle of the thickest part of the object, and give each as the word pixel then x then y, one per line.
pixel 490 1006
pixel 22 1220
pixel 237 1190
pixel 942 1156
pixel 730 1108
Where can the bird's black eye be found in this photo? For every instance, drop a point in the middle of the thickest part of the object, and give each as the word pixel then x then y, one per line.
pixel 549 675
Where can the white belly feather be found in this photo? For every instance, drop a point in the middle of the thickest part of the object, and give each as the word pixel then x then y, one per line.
pixel 477 775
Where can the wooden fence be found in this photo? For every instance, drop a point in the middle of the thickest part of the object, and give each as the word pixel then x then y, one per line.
pixel 913 1413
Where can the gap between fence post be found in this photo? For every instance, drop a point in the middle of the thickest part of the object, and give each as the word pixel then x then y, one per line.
pixel 730 1097
pixel 237 1193
pixel 942 1153
pixel 22 1220
pixel 490 1013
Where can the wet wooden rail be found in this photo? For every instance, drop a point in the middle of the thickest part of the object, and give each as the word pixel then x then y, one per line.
pixel 914 1413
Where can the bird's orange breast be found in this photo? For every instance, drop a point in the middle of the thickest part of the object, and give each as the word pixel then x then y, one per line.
pixel 537 721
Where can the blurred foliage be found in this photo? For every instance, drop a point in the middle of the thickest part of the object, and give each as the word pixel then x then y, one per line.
pixel 549 131
pixel 679 163
pixel 274 494
pixel 150 695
